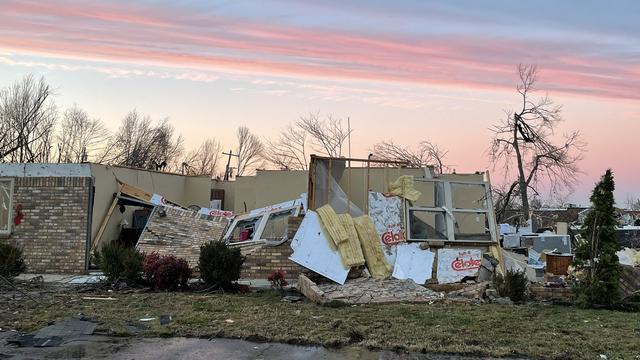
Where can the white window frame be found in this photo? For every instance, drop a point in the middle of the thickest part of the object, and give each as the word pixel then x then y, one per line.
pixel 448 209
pixel 11 182
pixel 263 218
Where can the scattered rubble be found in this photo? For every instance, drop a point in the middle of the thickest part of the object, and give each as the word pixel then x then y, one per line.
pixel 367 291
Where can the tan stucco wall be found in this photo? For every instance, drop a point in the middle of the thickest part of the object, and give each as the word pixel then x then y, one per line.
pixel 273 186
pixel 267 187
pixel 180 189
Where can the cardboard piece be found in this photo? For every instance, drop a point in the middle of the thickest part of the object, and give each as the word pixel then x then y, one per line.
pixel 311 249
pixel 413 263
pixel 456 264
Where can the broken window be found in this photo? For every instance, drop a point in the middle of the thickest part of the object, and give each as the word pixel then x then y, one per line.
pixel 427 225
pixel 452 211
pixel 269 223
pixel 6 198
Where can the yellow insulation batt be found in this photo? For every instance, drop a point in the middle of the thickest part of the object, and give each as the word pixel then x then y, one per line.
pixel 371 247
pixel 350 250
pixel 403 187
pixel 332 224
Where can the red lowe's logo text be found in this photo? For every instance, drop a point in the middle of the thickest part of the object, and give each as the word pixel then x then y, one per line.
pixel 468 264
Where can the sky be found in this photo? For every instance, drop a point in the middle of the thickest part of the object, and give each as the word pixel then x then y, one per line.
pixel 405 71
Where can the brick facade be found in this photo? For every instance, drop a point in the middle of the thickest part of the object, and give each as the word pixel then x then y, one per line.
pixel 264 261
pixel 53 231
pixel 539 292
pixel 180 233
pixel 260 263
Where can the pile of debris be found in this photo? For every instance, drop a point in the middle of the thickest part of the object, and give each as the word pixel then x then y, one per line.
pixel 402 242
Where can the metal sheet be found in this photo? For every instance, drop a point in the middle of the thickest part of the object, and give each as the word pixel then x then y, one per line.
pixel 413 263
pixel 311 249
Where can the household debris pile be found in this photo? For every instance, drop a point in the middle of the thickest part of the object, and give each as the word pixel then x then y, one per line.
pixel 419 230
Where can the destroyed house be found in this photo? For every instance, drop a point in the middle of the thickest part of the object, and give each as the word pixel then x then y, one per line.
pixel 55 212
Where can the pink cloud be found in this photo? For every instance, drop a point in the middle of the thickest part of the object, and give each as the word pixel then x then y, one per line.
pixel 184 38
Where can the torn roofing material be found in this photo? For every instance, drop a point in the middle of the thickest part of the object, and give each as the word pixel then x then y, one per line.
pixel 172 231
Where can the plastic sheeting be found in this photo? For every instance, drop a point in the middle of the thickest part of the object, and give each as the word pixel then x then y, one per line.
pixel 629 257
pixel 328 191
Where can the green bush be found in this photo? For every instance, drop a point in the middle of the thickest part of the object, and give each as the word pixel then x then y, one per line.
pixel 11 261
pixel 512 285
pixel 220 265
pixel 119 262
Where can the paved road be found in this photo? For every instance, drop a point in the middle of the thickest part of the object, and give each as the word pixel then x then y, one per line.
pixel 180 348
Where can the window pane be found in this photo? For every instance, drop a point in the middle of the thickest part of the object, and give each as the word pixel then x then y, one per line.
pixel 426 225
pixel 468 196
pixel 5 204
pixel 471 226
pixel 428 197
pixel 276 227
pixel 245 230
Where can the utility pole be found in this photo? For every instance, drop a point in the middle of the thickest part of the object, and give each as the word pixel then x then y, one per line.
pixel 228 169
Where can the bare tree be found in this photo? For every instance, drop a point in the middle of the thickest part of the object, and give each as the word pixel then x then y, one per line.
pixel 523 144
pixel 249 151
pixel 140 143
pixel 632 203
pixel 204 159
pixel 327 135
pixel 27 120
pixel 427 154
pixel 289 151
pixel 80 136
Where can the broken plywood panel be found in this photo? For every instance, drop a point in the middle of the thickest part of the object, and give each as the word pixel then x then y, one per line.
pixel 172 231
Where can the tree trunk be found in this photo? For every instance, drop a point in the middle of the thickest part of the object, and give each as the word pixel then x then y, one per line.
pixel 522 183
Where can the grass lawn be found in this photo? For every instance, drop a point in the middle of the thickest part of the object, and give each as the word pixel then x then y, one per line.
pixel 536 331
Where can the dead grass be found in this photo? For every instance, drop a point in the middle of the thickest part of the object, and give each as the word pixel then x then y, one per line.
pixel 537 331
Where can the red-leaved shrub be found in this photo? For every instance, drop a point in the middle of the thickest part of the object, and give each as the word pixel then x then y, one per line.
pixel 277 280
pixel 166 272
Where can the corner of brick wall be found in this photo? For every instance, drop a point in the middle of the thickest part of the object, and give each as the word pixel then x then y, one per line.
pixel 53 231
pixel 262 262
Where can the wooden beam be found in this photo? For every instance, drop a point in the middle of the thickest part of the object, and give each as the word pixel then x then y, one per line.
pixel 135 192
pixel 105 220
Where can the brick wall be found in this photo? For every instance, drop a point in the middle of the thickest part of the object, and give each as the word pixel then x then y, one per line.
pixel 180 233
pixel 264 261
pixel 540 292
pixel 53 232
